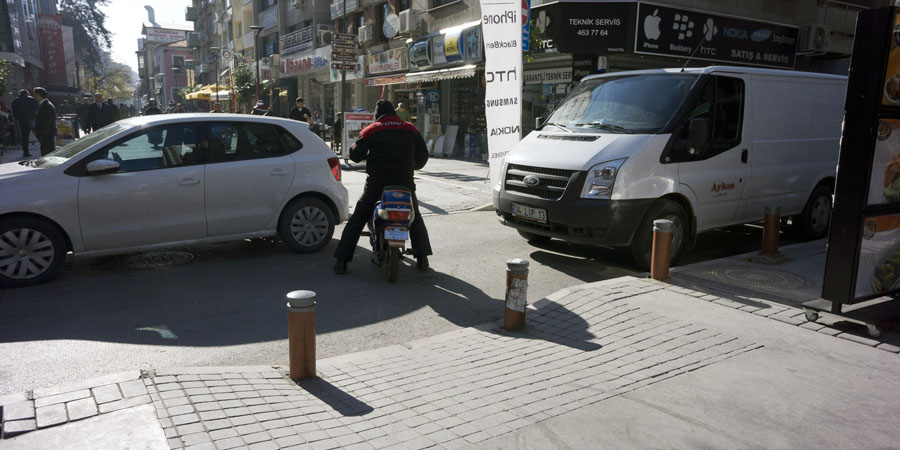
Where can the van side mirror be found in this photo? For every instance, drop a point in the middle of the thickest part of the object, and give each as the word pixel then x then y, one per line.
pixel 102 167
pixel 538 121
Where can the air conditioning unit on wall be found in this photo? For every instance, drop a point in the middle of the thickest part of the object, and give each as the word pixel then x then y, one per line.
pixel 409 20
pixel 365 33
pixel 323 32
pixel 813 39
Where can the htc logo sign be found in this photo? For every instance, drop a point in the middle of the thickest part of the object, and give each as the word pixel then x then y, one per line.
pixel 500 75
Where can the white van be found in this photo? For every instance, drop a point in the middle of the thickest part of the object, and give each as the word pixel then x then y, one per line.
pixel 705 148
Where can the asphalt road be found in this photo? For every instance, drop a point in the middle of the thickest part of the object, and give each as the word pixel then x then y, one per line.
pixel 226 306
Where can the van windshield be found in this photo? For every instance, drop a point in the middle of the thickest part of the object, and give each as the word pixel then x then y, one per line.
pixel 640 104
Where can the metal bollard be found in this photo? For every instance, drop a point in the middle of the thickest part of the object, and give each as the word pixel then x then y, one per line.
pixel 771 225
pixel 516 294
pixel 662 249
pixel 301 307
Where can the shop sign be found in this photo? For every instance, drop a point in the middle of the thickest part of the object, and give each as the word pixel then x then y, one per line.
pixel 548 76
pixel 584 65
pixel 393 60
pixel 339 56
pixel 419 56
pixel 526 24
pixel 352 5
pixel 297 41
pixel 337 9
pixel 683 32
pixel 54 56
pixel 269 18
pixel 163 35
pixel 452 49
pixel 578 26
pixel 437 51
pixel 384 81
pixel 305 62
pixel 353 70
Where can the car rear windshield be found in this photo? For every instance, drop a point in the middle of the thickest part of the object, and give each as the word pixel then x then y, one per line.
pixel 640 103
pixel 62 154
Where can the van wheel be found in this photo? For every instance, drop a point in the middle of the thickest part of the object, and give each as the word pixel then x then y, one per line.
pixel 642 244
pixel 812 223
pixel 306 225
pixel 32 252
pixel 531 237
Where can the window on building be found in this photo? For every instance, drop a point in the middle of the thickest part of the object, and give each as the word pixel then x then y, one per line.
pixel 177 62
pixel 230 30
pixel 361 19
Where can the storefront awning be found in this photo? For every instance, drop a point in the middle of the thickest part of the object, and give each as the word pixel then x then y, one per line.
pixel 442 74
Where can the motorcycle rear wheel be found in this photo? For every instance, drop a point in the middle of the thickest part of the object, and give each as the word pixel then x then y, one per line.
pixel 392 265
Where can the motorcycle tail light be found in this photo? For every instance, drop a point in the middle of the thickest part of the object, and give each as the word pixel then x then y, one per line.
pixel 398 215
pixel 335 164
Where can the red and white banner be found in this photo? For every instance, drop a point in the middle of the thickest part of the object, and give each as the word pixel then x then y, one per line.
pixel 52 50
pixel 501 25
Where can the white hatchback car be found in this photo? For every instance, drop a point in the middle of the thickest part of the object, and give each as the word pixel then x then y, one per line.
pixel 168 180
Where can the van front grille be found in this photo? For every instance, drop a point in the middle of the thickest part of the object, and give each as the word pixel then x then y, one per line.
pixel 551 183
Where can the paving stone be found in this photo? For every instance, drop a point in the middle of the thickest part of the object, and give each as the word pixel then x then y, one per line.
pixel 106 394
pixel 224 433
pixel 191 428
pixel 889 347
pixel 289 440
pixel 207 406
pixel 266 445
pixel 164 380
pixel 218 424
pixel 241 420
pixel 249 428
pixel 81 409
pixel 165 387
pixel 19 410
pixel 203 446
pixel 177 401
pixel 185 419
pixel 196 438
pixel 175 443
pixel 253 438
pixel 229 443
pixel 16 427
pixel 61 398
pixel 859 339
pixel 51 415
pixel 179 410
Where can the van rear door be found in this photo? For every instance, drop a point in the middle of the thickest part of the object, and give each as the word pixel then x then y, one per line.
pixel 716 174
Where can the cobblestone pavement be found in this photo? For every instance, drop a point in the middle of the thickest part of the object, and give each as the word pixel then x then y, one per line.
pixel 456 390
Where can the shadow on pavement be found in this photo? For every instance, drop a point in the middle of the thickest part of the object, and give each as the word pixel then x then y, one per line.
pixel 333 396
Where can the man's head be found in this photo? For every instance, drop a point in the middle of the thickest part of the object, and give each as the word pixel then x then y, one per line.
pixel 260 103
pixel 152 103
pixel 23 93
pixel 178 105
pixel 171 102
pixel 40 93
pixel 384 108
pixel 98 98
pixel 299 102
pixel 399 105
pixel 217 107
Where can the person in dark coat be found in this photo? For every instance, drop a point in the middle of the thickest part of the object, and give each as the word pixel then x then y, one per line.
pixel 24 109
pixel 393 150
pixel 260 109
pixel 100 114
pixel 45 122
pixel 300 112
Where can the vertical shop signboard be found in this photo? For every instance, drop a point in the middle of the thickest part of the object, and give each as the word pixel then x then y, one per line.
pixel 502 27
pixel 863 260
pixel 354 122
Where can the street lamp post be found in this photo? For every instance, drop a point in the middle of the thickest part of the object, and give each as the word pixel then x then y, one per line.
pixel 217 50
pixel 256 29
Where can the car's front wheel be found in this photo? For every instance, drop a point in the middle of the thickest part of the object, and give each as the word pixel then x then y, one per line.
pixel 306 225
pixel 32 251
pixel 642 244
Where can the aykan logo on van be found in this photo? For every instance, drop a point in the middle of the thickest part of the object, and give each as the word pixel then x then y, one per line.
pixel 719 187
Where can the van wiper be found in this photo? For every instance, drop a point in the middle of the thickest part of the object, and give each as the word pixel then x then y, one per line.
pixel 603 126
pixel 558 125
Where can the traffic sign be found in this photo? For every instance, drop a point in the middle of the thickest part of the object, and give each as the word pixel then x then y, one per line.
pixel 343 46
pixel 343 37
pixel 343 56
pixel 344 66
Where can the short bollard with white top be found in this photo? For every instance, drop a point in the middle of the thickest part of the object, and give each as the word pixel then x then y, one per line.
pixel 516 294
pixel 301 307
pixel 662 249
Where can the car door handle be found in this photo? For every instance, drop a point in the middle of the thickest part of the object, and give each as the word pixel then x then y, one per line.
pixel 744 156
pixel 277 172
pixel 189 182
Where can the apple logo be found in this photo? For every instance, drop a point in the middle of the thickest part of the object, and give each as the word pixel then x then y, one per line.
pixel 651 26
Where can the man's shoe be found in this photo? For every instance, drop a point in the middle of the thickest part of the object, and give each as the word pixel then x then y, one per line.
pixel 422 263
pixel 340 267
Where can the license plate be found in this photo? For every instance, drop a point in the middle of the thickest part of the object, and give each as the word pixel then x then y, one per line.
pixel 396 234
pixel 529 213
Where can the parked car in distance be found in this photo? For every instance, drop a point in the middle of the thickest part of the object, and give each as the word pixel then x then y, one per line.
pixel 703 147
pixel 168 180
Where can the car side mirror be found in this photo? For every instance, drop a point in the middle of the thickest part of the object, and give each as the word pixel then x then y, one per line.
pixel 538 121
pixel 102 167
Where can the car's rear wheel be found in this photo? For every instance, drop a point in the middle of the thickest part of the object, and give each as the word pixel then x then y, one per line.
pixel 642 244
pixel 306 225
pixel 32 251
pixel 812 223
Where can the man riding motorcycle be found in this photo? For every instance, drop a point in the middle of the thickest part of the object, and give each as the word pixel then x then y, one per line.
pixel 392 149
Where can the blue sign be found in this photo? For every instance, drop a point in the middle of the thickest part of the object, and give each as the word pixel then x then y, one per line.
pixel 526 24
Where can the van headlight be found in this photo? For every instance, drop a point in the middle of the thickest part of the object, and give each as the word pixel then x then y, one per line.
pixel 600 179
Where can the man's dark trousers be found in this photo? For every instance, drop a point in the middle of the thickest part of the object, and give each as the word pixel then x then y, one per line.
pixel 25 130
pixel 365 207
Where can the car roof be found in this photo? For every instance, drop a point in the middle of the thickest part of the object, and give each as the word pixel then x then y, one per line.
pixel 159 119
pixel 731 69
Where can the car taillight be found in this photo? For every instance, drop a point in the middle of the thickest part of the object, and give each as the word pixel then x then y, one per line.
pixel 335 164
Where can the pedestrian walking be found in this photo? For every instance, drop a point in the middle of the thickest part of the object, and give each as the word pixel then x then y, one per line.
pixel 100 114
pixel 300 112
pixel 171 108
pixel 123 111
pixel 45 122
pixel 152 109
pixel 24 111
pixel 402 113
pixel 260 109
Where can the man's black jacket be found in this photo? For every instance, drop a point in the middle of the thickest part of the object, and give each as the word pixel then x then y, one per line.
pixel 25 108
pixel 100 116
pixel 392 149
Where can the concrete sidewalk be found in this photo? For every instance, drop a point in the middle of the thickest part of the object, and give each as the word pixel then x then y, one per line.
pixel 623 363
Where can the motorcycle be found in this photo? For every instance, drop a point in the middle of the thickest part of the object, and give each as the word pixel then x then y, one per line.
pixel 389 229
